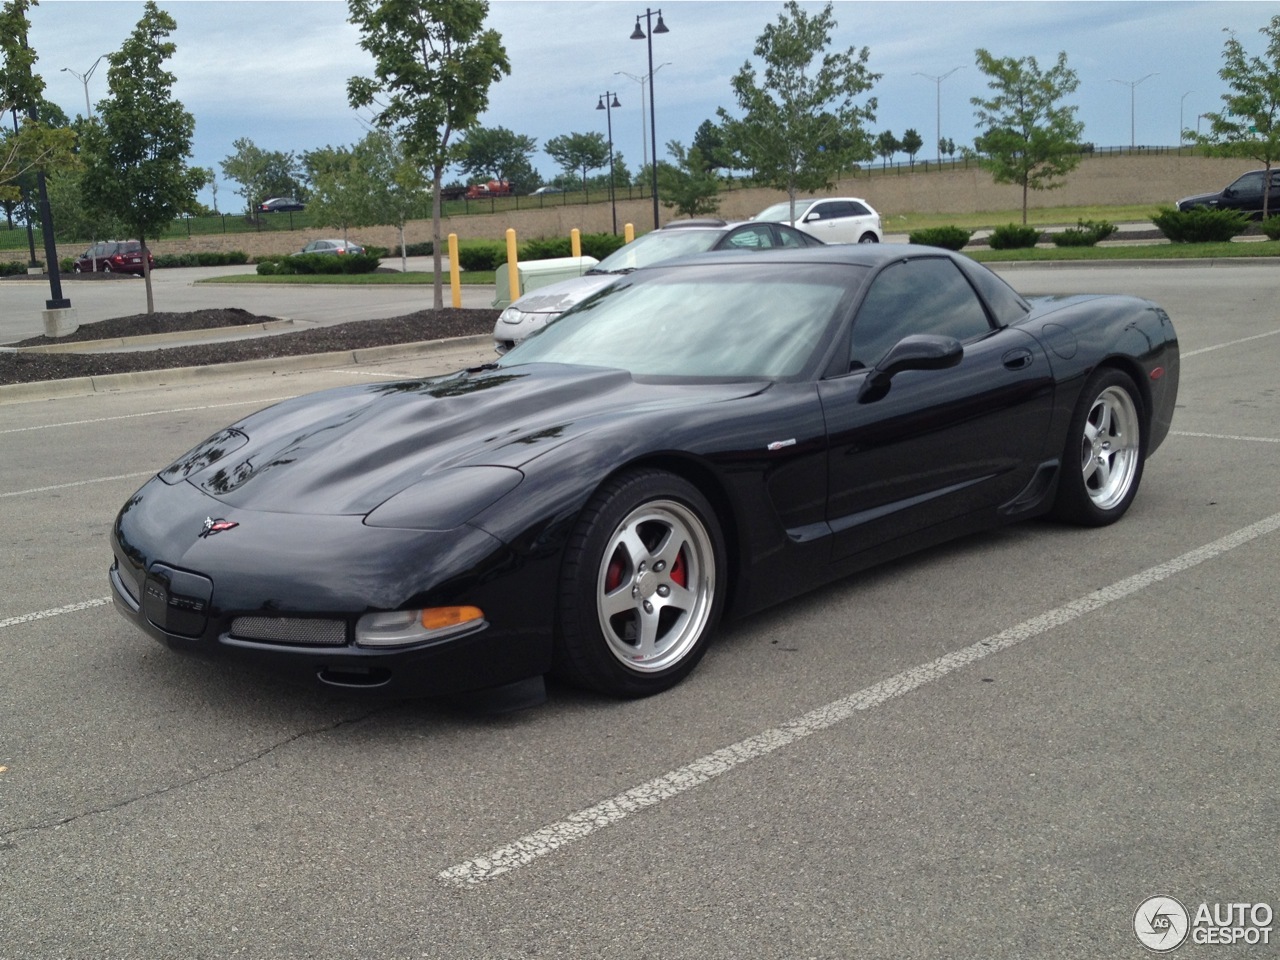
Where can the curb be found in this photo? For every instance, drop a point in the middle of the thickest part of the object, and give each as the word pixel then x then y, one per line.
pixel 87 386
pixel 149 339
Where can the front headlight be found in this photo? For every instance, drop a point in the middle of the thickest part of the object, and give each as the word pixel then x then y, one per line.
pixel 512 315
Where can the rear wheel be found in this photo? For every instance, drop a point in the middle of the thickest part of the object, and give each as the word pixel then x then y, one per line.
pixel 1106 447
pixel 642 586
pixel 868 237
pixel 106 268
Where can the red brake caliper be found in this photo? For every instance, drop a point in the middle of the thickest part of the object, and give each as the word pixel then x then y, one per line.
pixel 679 575
pixel 613 576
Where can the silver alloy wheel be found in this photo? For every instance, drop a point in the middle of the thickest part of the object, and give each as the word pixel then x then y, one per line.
pixel 1110 447
pixel 656 586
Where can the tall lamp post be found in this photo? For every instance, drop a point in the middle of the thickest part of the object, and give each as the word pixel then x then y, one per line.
pixel 606 104
pixel 938 81
pixel 1182 105
pixel 647 34
pixel 1132 85
pixel 84 78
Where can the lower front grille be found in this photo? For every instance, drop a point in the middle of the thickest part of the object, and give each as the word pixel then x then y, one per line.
pixel 297 631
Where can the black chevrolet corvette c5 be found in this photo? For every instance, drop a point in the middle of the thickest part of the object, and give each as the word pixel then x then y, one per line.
pixel 702 438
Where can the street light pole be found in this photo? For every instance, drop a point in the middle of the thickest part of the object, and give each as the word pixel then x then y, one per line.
pixel 938 81
pixel 84 78
pixel 1182 136
pixel 644 126
pixel 1132 85
pixel 647 34
pixel 606 104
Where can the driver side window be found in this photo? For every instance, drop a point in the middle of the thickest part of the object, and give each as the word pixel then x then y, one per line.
pixel 928 295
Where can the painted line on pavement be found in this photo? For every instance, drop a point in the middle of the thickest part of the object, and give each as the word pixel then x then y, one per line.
pixel 148 413
pixel 1222 436
pixel 1229 343
pixel 583 823
pixel 78 483
pixel 56 612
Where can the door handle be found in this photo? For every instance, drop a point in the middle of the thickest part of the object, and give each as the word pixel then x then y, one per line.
pixel 1018 359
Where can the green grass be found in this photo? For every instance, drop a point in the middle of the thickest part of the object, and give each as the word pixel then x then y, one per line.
pixel 412 278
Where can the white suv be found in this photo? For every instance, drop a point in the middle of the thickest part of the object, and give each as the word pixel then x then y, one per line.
pixel 830 219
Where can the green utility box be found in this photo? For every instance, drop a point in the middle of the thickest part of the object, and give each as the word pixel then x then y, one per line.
pixel 538 273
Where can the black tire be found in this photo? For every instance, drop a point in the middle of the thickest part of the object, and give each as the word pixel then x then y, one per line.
pixel 106 268
pixel 868 237
pixel 1105 451
pixel 642 586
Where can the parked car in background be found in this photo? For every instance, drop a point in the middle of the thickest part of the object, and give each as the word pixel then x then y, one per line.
pixel 830 219
pixel 543 191
pixel 113 256
pixel 280 205
pixel 335 247
pixel 680 238
pixel 1244 193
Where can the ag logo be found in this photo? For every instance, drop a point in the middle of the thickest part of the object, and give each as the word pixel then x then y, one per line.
pixel 1161 924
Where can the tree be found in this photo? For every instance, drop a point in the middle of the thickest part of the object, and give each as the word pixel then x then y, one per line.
pixel 262 173
pixel 887 145
pixel 800 124
pixel 433 66
pixel 579 153
pixel 136 156
pixel 1029 138
pixel 1248 126
pixel 708 140
pixel 339 188
pixel 911 144
pixel 397 188
pixel 690 186
pixel 496 153
pixel 947 146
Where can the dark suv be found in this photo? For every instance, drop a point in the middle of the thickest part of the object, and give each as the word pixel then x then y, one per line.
pixel 113 256
pixel 1245 193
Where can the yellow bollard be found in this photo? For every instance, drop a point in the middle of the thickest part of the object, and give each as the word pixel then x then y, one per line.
pixel 629 232
pixel 455 282
pixel 513 270
pixel 575 242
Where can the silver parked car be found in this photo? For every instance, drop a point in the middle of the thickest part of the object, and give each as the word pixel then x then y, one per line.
pixel 335 247
pixel 680 238
pixel 830 219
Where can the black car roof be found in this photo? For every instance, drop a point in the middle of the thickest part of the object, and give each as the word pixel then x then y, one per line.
pixel 861 254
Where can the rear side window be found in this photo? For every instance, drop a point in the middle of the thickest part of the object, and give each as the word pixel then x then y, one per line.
pixel 1005 304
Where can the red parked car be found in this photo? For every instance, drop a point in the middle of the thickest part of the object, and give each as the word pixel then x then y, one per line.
pixel 113 256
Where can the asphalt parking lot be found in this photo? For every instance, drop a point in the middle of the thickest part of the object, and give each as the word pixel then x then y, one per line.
pixel 996 749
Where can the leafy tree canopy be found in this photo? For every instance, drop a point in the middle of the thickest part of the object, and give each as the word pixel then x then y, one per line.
pixel 1030 138
pixel 1249 124
pixel 800 124
pixel 263 173
pixel 579 152
pixel 497 153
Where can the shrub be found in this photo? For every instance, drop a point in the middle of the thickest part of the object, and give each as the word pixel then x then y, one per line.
pixel 1200 225
pixel 481 255
pixel 11 268
pixel 1271 227
pixel 1086 233
pixel 1013 237
pixel 204 258
pixel 597 245
pixel 414 249
pixel 949 238
pixel 267 268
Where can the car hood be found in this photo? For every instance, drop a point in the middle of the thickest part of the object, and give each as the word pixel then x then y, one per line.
pixel 559 297
pixel 345 451
pixel 1200 198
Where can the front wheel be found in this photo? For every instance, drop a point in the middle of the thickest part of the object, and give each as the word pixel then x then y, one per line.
pixel 642 586
pixel 868 237
pixel 1106 447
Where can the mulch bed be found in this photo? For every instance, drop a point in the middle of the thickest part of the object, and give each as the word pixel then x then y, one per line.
pixel 410 328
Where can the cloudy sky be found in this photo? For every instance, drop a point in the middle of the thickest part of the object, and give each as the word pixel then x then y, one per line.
pixel 275 71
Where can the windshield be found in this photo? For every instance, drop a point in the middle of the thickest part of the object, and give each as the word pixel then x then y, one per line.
pixel 770 320
pixel 658 246
pixel 781 212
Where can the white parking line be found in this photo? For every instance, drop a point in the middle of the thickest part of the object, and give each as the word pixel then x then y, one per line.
pixel 56 612
pixel 78 483
pixel 1222 436
pixel 149 413
pixel 582 824
pixel 1229 343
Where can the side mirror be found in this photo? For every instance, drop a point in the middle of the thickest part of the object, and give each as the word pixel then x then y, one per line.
pixel 917 351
